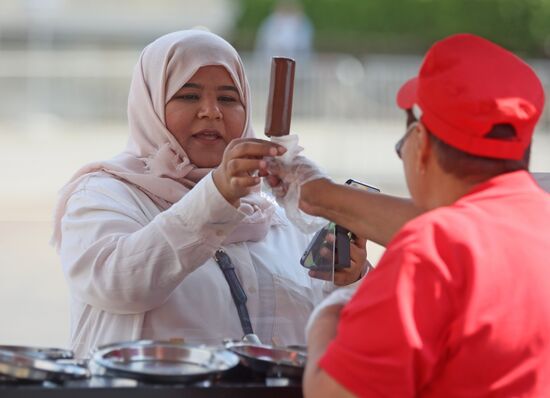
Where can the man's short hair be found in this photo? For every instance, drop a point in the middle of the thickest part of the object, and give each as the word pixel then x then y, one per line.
pixel 464 165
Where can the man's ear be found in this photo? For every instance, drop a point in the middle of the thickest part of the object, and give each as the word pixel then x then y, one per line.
pixel 423 148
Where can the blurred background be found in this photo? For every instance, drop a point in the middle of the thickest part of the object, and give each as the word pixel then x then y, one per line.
pixel 65 68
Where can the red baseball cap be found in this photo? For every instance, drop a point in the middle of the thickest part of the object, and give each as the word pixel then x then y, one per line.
pixel 465 86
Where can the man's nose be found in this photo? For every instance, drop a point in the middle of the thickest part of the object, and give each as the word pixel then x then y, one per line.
pixel 209 108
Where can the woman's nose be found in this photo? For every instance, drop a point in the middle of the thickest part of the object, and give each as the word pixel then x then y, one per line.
pixel 209 109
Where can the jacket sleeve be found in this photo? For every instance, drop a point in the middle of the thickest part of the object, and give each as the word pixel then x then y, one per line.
pixel 115 259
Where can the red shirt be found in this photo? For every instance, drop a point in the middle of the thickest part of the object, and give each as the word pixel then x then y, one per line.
pixel 459 305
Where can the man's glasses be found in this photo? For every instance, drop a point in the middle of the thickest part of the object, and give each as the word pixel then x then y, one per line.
pixel 412 121
pixel 399 144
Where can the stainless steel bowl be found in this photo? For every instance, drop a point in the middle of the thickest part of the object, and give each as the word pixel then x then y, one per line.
pixel 159 361
pixel 271 361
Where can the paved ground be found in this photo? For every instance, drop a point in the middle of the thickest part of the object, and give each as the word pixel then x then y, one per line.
pixel 37 159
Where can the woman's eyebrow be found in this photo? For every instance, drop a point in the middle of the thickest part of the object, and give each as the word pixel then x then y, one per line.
pixel 192 85
pixel 228 88
pixel 220 88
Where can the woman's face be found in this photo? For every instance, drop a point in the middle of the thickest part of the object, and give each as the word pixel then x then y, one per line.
pixel 205 115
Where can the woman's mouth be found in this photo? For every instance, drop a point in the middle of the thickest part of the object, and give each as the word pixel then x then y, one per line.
pixel 208 135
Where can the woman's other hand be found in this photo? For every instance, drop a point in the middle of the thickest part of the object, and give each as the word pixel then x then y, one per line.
pixel 242 166
pixel 348 275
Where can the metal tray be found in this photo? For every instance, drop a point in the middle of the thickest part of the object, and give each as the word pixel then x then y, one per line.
pixel 160 361
pixel 53 354
pixel 21 365
pixel 271 361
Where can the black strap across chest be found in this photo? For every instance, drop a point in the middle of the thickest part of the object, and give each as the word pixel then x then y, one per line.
pixel 237 291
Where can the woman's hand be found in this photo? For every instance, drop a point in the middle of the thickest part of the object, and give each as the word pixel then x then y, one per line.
pixel 358 256
pixel 345 276
pixel 242 165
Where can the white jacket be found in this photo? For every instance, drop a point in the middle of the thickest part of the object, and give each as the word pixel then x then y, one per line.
pixel 135 272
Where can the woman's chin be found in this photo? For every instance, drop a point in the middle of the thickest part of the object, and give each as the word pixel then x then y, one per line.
pixel 208 157
pixel 207 163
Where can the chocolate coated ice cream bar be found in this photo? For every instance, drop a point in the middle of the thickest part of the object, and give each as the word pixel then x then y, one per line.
pixel 279 103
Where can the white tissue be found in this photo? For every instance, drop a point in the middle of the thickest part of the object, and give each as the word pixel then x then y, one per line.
pixel 294 171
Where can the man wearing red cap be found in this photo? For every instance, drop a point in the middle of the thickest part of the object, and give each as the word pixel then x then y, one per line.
pixel 459 305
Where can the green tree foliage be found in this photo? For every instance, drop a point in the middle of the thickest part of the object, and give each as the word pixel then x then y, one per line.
pixel 411 26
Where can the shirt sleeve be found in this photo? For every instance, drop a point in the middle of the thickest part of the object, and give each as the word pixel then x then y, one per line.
pixel 393 331
pixel 118 261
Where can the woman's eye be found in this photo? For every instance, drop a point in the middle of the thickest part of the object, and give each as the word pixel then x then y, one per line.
pixel 188 97
pixel 226 98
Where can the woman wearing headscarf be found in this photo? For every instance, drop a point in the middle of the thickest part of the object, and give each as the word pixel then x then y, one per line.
pixel 137 234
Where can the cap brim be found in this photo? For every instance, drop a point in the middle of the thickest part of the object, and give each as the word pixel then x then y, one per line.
pixel 406 96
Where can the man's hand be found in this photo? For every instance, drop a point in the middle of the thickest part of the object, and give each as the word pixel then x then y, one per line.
pixel 284 177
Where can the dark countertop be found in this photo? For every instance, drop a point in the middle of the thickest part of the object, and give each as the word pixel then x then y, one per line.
pixel 240 385
pixel 151 391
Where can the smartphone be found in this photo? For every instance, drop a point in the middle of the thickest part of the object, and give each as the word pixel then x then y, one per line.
pixel 335 239
pixel 343 235
pixel 313 257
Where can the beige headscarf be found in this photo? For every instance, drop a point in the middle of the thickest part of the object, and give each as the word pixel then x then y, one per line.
pixel 153 159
